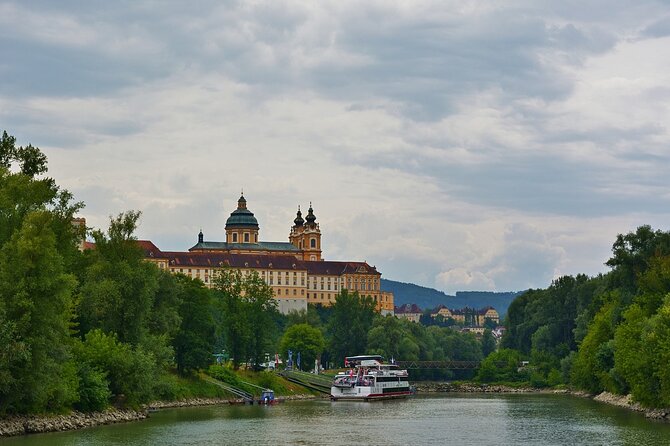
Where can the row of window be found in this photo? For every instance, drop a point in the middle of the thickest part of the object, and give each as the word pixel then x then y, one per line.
pixel 246 237
pixel 324 284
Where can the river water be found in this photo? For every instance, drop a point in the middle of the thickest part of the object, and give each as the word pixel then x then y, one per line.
pixel 512 419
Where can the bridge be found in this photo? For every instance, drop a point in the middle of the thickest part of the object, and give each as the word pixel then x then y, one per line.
pixel 444 365
pixel 449 365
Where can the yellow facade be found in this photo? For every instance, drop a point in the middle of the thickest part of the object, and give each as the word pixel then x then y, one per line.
pixel 295 271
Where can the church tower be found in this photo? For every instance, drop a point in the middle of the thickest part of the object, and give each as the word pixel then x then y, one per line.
pixel 242 226
pixel 306 235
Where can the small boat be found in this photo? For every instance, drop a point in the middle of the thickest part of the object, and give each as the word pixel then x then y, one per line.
pixel 369 379
pixel 267 397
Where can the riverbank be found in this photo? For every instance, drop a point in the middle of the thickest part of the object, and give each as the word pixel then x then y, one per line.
pixel 623 401
pixel 32 424
pixel 463 387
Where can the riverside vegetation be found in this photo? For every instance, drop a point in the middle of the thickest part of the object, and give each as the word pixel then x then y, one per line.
pixel 90 330
pixel 86 331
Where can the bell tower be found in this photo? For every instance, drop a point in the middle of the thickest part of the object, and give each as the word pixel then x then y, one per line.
pixel 306 235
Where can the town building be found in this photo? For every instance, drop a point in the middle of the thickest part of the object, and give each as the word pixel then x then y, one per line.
pixel 469 316
pixel 411 312
pixel 295 270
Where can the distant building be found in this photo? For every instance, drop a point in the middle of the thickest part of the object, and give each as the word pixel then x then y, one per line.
pixel 469 316
pixel 295 270
pixel 410 312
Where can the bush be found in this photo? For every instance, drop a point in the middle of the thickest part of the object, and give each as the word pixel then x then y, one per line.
pixel 94 393
pixel 132 373
pixel 502 365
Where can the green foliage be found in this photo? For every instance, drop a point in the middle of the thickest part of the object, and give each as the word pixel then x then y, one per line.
pixel 229 376
pixel 501 366
pixel 248 313
pixel 488 343
pixel 632 252
pixel 591 366
pixel 119 288
pixel 94 393
pixel 30 159
pixel 404 340
pixel 36 298
pixel 131 371
pixel 194 342
pixel 305 339
pixel 349 325
pixel 174 388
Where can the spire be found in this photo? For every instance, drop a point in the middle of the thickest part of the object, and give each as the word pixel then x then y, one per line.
pixel 311 218
pixel 298 219
pixel 242 202
pixel 201 237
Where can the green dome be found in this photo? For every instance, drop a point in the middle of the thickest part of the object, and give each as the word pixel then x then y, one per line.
pixel 242 217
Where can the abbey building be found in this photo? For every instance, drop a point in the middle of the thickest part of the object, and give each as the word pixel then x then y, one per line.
pixel 295 270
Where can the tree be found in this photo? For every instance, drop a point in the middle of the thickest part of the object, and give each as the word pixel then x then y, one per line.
pixel 261 310
pixel 36 299
pixel 248 312
pixel 119 287
pixel 194 342
pixel 593 362
pixel 303 339
pixel 349 325
pixel 501 366
pixel 488 343
pixel 631 254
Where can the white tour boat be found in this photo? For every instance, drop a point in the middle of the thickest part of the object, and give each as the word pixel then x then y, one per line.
pixel 369 379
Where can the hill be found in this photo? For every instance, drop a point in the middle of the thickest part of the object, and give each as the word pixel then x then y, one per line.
pixel 424 297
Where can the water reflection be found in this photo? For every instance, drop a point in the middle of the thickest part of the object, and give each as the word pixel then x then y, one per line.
pixel 424 420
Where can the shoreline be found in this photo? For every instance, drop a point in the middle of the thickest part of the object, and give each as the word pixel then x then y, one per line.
pixel 622 401
pixel 17 425
pixel 30 424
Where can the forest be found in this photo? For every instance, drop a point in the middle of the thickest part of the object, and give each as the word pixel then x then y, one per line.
pixel 605 333
pixel 89 329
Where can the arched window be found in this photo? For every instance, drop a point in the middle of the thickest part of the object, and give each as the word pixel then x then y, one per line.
pixel 312 243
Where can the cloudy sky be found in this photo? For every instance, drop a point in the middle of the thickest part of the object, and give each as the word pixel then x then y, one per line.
pixel 462 145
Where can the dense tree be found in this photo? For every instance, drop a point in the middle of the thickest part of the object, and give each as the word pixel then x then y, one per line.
pixel 36 295
pixel 488 343
pixel 248 315
pixel 502 366
pixel 349 325
pixel 131 373
pixel 303 339
pixel 194 342
pixel 119 287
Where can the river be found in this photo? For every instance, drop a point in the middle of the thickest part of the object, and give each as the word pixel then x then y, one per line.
pixel 473 419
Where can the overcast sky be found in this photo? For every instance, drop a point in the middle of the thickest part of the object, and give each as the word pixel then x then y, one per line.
pixel 461 145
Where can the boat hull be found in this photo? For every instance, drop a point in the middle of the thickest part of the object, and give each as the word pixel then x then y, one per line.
pixel 361 393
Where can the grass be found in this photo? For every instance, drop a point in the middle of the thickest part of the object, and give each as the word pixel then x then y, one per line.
pixel 267 380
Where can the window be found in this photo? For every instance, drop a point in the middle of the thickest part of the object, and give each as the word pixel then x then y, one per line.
pixel 295 291
pixel 255 238
pixel 312 243
pixel 279 279
pixel 246 237
pixel 234 237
